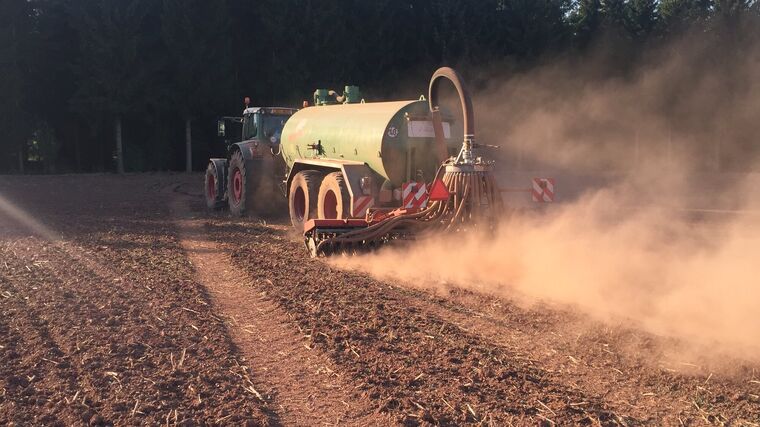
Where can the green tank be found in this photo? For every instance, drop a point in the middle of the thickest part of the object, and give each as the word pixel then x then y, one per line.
pixel 395 139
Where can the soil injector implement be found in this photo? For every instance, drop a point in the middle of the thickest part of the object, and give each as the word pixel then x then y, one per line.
pixel 462 194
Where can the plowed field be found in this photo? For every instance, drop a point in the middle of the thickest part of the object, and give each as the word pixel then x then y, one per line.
pixel 123 302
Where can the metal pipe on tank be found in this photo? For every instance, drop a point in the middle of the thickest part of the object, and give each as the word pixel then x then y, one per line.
pixel 466 103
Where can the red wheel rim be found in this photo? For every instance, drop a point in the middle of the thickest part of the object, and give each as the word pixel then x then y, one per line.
pixel 299 203
pixel 237 185
pixel 330 204
pixel 211 187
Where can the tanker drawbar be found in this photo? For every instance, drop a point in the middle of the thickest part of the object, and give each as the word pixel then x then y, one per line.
pixel 460 195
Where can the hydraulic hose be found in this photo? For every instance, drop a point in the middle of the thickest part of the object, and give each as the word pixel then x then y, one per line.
pixel 338 98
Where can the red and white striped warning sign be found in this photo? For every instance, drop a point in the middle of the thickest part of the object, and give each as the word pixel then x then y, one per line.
pixel 543 190
pixel 414 195
pixel 361 204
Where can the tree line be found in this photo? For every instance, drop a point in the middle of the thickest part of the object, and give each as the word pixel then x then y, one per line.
pixel 136 85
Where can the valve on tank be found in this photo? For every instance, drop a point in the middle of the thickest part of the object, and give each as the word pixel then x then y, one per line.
pixel 351 95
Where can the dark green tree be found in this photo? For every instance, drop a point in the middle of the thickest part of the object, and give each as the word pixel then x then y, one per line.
pixel 389 27
pixel 195 34
pixel 115 72
pixel 730 14
pixel 643 18
pixel 615 14
pixel 732 7
pixel 74 71
pixel 586 19
pixel 680 15
pixel 529 28
pixel 55 48
pixel 16 25
pixel 283 49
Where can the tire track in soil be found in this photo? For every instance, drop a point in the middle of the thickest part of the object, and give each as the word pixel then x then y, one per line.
pixel 623 370
pixel 416 367
pixel 568 377
pixel 24 383
pixel 119 384
pixel 552 355
pixel 107 283
pixel 43 375
pixel 635 371
pixel 374 333
pixel 79 325
pixel 304 384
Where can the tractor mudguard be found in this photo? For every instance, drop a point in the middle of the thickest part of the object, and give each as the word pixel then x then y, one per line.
pixel 221 166
pixel 250 150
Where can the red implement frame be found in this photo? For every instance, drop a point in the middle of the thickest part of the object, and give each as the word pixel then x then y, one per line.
pixel 374 216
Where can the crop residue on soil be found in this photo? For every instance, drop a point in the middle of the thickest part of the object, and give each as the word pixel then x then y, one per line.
pixel 105 325
pixel 108 323
pixel 654 268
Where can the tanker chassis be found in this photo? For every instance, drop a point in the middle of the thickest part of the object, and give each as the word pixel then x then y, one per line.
pixel 356 174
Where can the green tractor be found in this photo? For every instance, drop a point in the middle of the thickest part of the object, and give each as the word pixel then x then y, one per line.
pixel 249 179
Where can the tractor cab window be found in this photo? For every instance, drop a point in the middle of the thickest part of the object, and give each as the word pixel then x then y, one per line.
pixel 250 126
pixel 272 125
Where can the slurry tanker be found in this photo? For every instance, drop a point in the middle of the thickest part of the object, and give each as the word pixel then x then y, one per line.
pixel 359 174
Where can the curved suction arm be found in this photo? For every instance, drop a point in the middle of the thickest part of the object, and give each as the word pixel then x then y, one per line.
pixel 464 99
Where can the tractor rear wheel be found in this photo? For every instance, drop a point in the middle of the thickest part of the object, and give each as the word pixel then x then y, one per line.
pixel 333 201
pixel 240 188
pixel 302 198
pixel 214 187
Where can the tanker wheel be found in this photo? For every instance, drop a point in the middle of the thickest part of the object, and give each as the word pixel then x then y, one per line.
pixel 333 201
pixel 302 198
pixel 240 187
pixel 214 187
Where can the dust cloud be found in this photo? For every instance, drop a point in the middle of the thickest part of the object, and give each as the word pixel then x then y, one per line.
pixel 667 273
pixel 667 237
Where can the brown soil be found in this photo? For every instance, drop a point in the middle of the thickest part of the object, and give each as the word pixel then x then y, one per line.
pixel 123 302
pixel 305 385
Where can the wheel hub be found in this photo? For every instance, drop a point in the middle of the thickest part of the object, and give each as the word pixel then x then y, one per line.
pixel 237 185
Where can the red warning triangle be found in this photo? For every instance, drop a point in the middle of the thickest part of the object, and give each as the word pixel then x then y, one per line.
pixel 438 191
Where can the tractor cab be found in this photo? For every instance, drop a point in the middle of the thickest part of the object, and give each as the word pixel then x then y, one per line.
pixel 264 125
pixel 253 164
